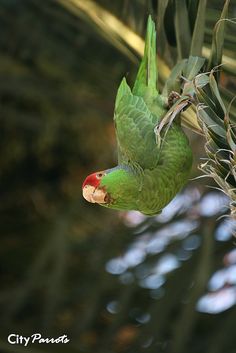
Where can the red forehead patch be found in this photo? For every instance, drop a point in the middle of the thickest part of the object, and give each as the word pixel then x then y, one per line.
pixel 91 180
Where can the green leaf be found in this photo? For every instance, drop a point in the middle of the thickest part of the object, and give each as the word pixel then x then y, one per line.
pixel 218 40
pixel 220 107
pixel 194 65
pixel 201 80
pixel 230 139
pixel 161 36
pixel 183 34
pixel 212 121
pixel 198 33
pixel 173 82
pixel 218 140
pixel 203 97
pixel 166 38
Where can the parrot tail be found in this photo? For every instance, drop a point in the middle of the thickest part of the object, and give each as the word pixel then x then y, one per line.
pixel 146 80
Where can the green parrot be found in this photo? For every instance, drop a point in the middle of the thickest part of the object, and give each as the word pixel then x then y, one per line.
pixel 149 174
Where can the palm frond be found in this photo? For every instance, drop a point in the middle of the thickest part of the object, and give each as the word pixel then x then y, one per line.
pixel 220 134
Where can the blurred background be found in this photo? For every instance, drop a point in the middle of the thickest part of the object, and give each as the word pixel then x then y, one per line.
pixel 112 281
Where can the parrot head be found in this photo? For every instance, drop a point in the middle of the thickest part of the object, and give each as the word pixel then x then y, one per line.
pixel 113 188
pixel 92 189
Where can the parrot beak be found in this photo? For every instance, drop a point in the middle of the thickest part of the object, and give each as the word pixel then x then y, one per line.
pixel 94 195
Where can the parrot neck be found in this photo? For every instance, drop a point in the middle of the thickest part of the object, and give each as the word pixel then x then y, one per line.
pixel 122 184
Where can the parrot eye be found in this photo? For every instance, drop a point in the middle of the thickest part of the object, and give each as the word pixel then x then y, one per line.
pixel 99 175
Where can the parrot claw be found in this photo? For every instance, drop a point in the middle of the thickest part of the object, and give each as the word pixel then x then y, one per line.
pixel 173 98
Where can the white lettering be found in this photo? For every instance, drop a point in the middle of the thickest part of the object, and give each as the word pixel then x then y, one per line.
pixel 64 339
pixel 27 339
pixel 46 340
pixel 12 340
pixel 36 337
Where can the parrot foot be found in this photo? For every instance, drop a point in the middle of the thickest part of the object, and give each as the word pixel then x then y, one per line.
pixel 173 97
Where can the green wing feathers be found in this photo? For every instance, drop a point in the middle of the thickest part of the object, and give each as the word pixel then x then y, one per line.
pixel 135 130
pixel 146 80
pixel 123 90
pixel 137 112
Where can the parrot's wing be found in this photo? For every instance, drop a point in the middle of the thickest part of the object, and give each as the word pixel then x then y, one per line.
pixel 135 129
pixel 138 112
pixel 146 80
